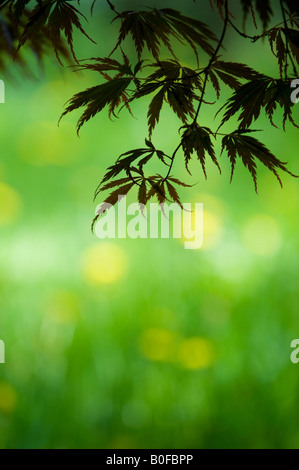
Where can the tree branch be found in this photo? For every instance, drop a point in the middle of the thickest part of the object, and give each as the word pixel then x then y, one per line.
pixel 112 7
pixel 288 53
pixel 172 161
pixel 212 59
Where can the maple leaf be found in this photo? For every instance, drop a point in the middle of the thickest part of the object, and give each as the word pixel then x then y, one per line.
pixel 173 70
pixel 263 93
pixel 249 150
pixel 179 97
pixel 293 6
pixel 153 28
pixel 154 110
pixel 39 45
pixel 278 47
pixel 159 185
pixel 97 97
pixel 194 32
pixel 107 64
pixel 16 6
pixel 292 36
pixel 229 73
pixel 142 194
pixel 265 11
pixel 198 139
pixel 125 161
pixel 173 193
pixel 220 5
pixel 112 199
pixel 261 7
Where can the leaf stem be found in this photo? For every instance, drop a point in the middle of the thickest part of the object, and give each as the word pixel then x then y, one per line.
pixel 172 161
pixel 112 7
pixel 206 72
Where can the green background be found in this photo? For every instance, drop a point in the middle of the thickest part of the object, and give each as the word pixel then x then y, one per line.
pixel 141 343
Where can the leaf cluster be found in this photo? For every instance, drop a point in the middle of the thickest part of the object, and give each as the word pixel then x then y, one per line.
pixel 263 93
pixel 156 27
pixel 157 75
pixel 250 150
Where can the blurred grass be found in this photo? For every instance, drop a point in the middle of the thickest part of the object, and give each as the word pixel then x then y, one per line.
pixel 140 343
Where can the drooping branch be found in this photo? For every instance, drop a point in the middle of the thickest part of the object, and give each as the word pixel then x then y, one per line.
pixel 206 72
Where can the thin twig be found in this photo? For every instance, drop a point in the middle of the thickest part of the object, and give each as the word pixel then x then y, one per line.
pixel 244 35
pixel 172 161
pixel 212 59
pixel 112 7
pixel 132 178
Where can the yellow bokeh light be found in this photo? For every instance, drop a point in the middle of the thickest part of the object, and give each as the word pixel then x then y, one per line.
pixel 8 398
pixel 212 230
pixel 104 263
pixel 158 344
pixel 214 210
pixel 196 353
pixel 43 143
pixel 10 203
pixel 275 200
pixel 212 204
pixel 53 95
pixel 262 235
